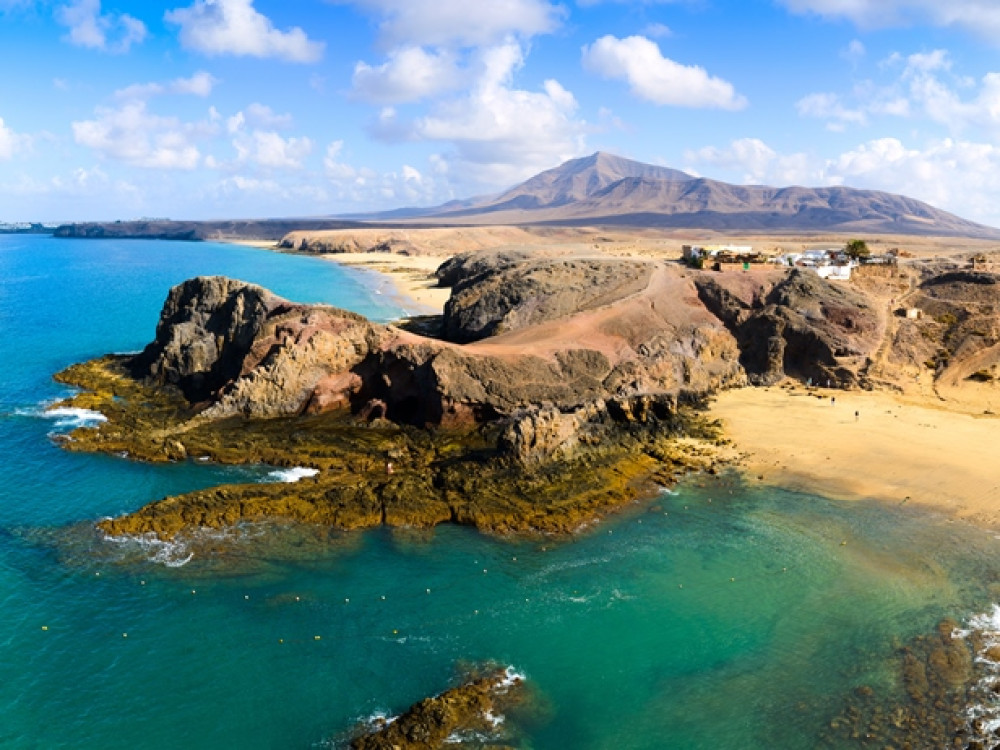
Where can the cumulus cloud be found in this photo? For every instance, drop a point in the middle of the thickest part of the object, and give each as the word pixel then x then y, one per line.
pixel 258 143
pixel 443 23
pixel 199 84
pixel 979 16
pixel 235 27
pixel 12 143
pixel 657 79
pixel 269 149
pixel 367 187
pixel 926 85
pixel 410 73
pixel 498 134
pixel 134 135
pixel 756 163
pixel 108 32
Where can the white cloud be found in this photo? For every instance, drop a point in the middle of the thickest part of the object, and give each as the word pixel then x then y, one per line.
pixel 137 137
pixel 268 149
pixel 926 85
pixel 979 16
pixel 657 30
pixel 657 79
pixel 234 27
pixel 443 23
pixel 11 143
pixel 854 52
pixel 499 134
pixel 258 115
pixel 410 73
pixel 199 84
pixel 368 187
pixel 829 107
pixel 108 32
pixel 756 162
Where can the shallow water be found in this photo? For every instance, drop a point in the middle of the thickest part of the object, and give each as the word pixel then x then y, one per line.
pixel 724 616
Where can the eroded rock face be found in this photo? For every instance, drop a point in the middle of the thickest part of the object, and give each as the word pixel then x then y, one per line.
pixel 206 328
pixel 252 353
pixel 801 326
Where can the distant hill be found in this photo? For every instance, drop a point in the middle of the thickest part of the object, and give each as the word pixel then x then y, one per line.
pixel 607 189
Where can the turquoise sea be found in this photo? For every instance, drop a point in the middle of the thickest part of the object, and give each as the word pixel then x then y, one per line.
pixel 724 615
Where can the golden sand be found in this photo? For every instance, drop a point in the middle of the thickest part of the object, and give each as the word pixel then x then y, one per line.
pixel 867 445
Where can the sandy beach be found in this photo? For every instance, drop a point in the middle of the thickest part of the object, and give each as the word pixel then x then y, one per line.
pixel 895 450
pixel 412 277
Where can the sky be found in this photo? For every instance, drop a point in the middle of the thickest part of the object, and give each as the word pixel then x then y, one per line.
pixel 208 109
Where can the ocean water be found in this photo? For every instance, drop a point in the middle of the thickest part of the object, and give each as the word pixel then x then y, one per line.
pixel 721 615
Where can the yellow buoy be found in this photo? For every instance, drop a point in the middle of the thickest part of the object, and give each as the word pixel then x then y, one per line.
pixel 124 635
pixel 316 637
pixel 395 632
pixel 45 627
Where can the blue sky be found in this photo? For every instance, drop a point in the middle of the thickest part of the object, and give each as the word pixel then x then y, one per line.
pixel 113 109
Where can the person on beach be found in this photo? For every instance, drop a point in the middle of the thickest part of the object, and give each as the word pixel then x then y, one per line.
pixel 857 416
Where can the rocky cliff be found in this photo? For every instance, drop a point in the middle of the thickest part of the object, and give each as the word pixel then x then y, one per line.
pixel 569 395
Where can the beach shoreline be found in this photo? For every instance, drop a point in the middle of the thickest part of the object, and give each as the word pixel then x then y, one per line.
pixel 870 445
pixel 411 277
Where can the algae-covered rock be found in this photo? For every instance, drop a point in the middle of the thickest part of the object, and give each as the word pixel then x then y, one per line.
pixel 475 707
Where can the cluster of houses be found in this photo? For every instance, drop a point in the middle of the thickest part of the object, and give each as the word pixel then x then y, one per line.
pixel 828 263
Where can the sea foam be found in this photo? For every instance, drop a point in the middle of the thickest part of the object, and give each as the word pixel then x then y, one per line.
pixel 984 715
pixel 293 474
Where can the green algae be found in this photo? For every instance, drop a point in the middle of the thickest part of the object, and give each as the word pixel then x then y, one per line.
pixel 371 473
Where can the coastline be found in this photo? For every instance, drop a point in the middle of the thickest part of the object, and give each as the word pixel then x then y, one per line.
pixel 412 277
pixel 897 450
pixel 792 437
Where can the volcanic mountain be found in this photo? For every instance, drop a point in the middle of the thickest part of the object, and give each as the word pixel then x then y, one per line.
pixel 607 189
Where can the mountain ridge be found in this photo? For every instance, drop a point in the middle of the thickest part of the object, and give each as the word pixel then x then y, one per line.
pixel 605 188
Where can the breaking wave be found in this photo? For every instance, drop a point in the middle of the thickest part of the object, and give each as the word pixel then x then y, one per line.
pixel 293 474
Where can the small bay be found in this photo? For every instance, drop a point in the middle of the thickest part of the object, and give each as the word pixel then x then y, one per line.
pixel 722 615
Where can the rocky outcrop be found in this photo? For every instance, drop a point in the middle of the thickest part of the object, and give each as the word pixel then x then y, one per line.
pixel 251 353
pixel 234 349
pixel 475 708
pixel 511 294
pixel 801 326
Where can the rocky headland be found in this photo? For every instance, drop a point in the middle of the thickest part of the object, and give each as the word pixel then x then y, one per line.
pixel 557 390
